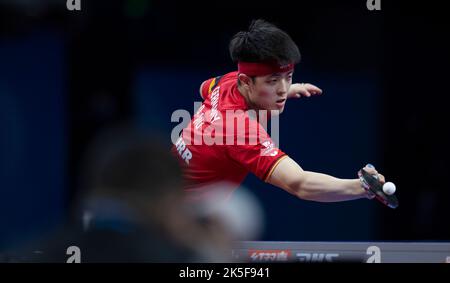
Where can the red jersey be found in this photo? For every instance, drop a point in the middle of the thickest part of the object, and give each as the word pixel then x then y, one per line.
pixel 223 142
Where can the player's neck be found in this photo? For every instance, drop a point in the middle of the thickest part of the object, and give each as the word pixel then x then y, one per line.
pixel 266 115
pixel 245 94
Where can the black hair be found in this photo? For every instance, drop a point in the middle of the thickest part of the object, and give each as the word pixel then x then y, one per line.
pixel 263 42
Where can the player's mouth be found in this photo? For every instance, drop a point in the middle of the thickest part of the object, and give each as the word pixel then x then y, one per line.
pixel 280 102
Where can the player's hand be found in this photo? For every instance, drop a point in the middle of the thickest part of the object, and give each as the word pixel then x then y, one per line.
pixel 372 171
pixel 369 168
pixel 303 89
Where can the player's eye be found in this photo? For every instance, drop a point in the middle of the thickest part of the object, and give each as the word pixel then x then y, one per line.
pixel 289 76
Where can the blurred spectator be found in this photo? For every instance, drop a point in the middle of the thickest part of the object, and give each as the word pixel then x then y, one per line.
pixel 132 209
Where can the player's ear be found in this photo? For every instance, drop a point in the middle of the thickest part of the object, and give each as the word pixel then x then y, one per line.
pixel 245 80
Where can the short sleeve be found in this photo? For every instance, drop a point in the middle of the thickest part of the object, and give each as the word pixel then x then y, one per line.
pixel 259 157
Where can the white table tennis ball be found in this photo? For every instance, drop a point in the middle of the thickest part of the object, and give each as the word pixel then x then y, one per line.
pixel 389 188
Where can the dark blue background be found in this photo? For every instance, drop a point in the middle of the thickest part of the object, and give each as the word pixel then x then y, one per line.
pixel 66 76
pixel 33 136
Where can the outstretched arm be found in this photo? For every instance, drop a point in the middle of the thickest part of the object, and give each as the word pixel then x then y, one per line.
pixel 307 185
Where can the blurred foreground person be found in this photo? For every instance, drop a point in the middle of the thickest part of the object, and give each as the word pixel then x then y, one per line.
pixel 132 209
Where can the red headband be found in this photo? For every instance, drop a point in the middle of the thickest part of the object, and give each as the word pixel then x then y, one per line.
pixel 262 69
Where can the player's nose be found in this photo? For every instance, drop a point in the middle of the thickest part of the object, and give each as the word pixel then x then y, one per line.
pixel 283 88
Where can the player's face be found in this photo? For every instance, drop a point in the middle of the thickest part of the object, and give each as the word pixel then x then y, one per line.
pixel 270 92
